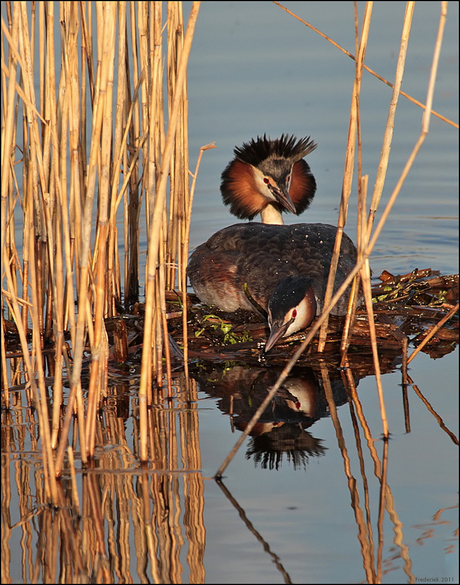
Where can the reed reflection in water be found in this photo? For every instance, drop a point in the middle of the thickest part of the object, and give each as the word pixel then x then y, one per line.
pixel 116 521
pixel 120 522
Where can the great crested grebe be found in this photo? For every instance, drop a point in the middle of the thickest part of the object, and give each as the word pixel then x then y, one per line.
pixel 281 270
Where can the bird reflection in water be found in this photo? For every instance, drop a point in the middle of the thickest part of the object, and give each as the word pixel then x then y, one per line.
pixel 281 432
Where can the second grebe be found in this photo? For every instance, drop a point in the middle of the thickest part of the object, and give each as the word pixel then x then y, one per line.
pixel 281 270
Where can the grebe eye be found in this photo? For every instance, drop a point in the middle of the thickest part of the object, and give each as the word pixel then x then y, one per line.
pixel 266 181
pixel 288 179
pixel 294 313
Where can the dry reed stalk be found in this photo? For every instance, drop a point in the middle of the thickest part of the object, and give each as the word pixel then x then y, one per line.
pixel 366 281
pixel 388 134
pixel 151 64
pixel 54 217
pixel 155 232
pixel 362 190
pixel 27 197
pixel 113 276
pixel 349 318
pixel 104 102
pixel 184 255
pixel 36 221
pixel 170 226
pixel 70 198
pixel 348 170
pixel 7 228
pixel 84 260
pixel 365 230
pixel 178 181
pixel 179 171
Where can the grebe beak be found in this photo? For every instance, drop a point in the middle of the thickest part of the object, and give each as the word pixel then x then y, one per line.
pixel 276 333
pixel 282 197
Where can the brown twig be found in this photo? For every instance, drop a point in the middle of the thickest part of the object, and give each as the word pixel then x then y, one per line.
pixel 432 331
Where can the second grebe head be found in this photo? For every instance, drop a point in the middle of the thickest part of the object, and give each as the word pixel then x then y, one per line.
pixel 271 173
pixel 292 306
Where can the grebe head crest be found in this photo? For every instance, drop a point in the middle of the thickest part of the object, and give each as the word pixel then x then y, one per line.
pixel 269 172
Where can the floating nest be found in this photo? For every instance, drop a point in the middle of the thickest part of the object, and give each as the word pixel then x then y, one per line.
pixel 406 309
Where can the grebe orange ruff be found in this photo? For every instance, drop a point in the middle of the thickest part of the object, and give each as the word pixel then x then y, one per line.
pixel 281 268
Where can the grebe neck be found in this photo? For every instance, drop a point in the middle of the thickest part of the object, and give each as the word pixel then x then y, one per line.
pixel 269 214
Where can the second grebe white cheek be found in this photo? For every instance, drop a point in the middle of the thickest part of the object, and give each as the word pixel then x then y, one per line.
pixel 305 312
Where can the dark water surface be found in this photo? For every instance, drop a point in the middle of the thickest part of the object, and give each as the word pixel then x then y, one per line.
pixel 300 507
